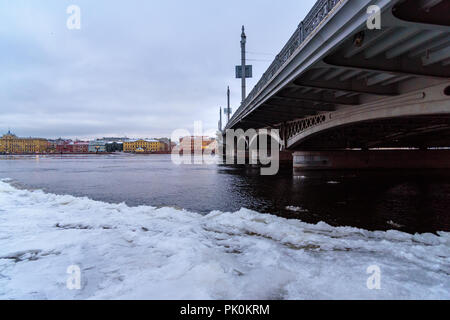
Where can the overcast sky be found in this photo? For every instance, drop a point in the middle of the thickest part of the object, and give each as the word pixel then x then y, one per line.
pixel 140 68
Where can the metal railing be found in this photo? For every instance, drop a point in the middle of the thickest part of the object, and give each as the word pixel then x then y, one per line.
pixel 317 14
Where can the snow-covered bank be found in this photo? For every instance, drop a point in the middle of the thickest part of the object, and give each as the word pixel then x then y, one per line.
pixel 149 253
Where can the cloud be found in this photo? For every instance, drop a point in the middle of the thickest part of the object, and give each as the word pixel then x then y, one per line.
pixel 135 67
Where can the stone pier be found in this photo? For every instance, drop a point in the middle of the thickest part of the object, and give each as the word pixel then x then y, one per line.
pixel 372 159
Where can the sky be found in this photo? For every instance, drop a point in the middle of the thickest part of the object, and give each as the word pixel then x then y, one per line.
pixel 136 68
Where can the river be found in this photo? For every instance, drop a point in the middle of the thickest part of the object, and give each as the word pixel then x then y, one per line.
pixel 141 227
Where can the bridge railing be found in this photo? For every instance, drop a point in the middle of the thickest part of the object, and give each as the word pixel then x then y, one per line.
pixel 317 14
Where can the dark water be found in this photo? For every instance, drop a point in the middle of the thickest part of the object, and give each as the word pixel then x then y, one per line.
pixel 410 201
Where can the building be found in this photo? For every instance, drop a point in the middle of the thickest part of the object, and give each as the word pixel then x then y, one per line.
pixel 114 147
pixel 194 143
pixel 167 144
pixel 81 147
pixel 11 144
pixel 64 146
pixel 51 146
pixel 60 146
pixel 144 146
pixel 97 146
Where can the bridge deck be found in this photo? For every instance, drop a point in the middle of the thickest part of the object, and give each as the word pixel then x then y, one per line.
pixel 333 64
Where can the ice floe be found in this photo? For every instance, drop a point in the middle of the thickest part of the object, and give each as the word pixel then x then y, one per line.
pixel 163 253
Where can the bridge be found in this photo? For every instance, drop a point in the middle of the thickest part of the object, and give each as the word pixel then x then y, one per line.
pixel 337 85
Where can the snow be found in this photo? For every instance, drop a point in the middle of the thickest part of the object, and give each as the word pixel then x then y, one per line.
pixel 148 253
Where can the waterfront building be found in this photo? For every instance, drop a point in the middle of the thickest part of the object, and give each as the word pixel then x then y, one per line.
pixel 195 143
pixel 64 146
pixel 97 146
pixel 51 146
pixel 167 144
pixel 81 147
pixel 11 144
pixel 144 146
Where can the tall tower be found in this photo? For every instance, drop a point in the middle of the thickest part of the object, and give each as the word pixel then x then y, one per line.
pixel 243 43
pixel 220 121
pixel 228 104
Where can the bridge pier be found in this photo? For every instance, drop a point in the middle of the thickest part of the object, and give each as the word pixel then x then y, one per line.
pixel 246 149
pixel 285 159
pixel 372 159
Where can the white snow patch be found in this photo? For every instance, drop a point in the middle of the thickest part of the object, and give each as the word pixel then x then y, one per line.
pixel 297 209
pixel 394 224
pixel 148 253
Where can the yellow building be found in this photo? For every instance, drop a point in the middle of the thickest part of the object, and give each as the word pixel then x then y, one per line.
pixel 12 144
pixel 144 146
pixel 200 144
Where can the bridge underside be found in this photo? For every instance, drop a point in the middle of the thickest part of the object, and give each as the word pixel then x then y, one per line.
pixel 412 132
pixel 357 70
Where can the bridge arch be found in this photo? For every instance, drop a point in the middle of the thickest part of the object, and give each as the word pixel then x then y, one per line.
pixel 422 104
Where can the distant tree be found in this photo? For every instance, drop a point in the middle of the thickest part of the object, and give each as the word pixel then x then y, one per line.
pixel 114 147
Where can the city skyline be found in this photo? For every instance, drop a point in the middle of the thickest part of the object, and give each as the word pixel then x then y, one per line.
pixel 121 76
pixel 99 137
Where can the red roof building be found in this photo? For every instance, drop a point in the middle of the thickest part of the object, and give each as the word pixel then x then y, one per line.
pixel 81 147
